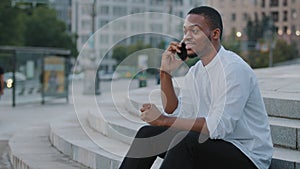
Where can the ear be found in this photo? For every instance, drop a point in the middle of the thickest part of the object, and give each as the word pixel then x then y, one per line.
pixel 216 33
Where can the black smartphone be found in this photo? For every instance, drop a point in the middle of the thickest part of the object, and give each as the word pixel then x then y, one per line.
pixel 183 54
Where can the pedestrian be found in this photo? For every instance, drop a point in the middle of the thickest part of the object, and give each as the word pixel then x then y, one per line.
pixel 218 121
pixel 1 81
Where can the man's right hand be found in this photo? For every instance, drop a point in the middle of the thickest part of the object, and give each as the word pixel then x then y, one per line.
pixel 169 62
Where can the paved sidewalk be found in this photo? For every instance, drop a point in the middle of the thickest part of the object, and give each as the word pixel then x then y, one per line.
pixel 280 82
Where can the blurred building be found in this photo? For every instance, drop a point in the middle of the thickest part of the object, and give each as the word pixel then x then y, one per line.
pixel 285 16
pixel 137 27
pixel 235 14
pixel 64 11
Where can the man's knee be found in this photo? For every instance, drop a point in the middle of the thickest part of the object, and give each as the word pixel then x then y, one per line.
pixel 186 136
pixel 150 131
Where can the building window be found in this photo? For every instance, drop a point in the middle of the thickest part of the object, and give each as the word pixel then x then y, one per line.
pixel 178 2
pixel 285 16
pixel 104 10
pixel 84 39
pixel 274 3
pixel 118 37
pixel 285 2
pixel 120 1
pixel 137 26
pixel 86 9
pixel 120 26
pixel 294 14
pixel 275 16
pixel 119 11
pixel 137 10
pixel 263 3
pixel 233 17
pixel 255 2
pixel 294 28
pixel 245 16
pixel 104 39
pixel 156 27
pixel 86 24
pixel 156 2
pixel 285 29
pixel 102 23
pixel 263 14
pixel 138 1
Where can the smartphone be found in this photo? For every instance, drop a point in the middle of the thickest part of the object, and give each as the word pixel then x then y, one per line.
pixel 183 54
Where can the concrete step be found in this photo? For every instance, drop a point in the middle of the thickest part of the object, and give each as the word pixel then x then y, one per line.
pixel 72 141
pixel 284 135
pixel 31 149
pixel 285 108
pixel 285 159
pixel 4 157
pixel 285 132
pixel 115 123
pixel 89 147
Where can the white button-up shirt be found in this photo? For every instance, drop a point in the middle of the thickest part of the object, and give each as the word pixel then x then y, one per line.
pixel 225 92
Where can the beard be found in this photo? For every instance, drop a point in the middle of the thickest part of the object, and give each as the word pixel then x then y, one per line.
pixel 192 55
pixel 199 53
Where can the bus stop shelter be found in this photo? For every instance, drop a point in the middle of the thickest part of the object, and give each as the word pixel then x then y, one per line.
pixel 34 74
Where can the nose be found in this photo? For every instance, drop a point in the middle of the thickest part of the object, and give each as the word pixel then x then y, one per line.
pixel 186 36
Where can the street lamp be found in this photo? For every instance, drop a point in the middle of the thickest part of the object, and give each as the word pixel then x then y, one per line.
pixel 94 14
pixel 269 34
pixel 91 83
pixel 238 34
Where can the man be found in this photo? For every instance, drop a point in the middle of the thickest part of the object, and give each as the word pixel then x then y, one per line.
pixel 1 81
pixel 218 122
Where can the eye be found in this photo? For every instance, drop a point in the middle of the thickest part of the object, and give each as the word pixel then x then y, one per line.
pixel 195 31
pixel 184 31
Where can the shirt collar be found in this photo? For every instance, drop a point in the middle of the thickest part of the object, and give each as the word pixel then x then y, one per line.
pixel 214 61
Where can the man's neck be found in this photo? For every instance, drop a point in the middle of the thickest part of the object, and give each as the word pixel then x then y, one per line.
pixel 210 56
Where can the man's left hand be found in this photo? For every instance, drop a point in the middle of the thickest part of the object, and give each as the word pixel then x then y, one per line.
pixel 152 115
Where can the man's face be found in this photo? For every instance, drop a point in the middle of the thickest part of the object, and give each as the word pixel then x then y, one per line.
pixel 196 35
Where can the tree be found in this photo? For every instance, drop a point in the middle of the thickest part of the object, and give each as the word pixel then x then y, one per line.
pixel 233 43
pixel 34 26
pixel 45 30
pixel 283 51
pixel 258 29
pixel 120 52
pixel 11 24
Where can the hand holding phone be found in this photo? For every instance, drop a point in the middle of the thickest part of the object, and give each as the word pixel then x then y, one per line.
pixel 183 54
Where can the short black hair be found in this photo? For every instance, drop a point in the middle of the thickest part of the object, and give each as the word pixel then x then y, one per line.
pixel 213 16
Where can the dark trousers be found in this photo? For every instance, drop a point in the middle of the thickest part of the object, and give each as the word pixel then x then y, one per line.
pixel 182 150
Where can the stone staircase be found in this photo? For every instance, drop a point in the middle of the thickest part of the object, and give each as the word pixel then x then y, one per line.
pixel 100 137
pixel 285 130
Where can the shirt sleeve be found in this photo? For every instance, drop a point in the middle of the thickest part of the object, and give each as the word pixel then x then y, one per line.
pixel 229 100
